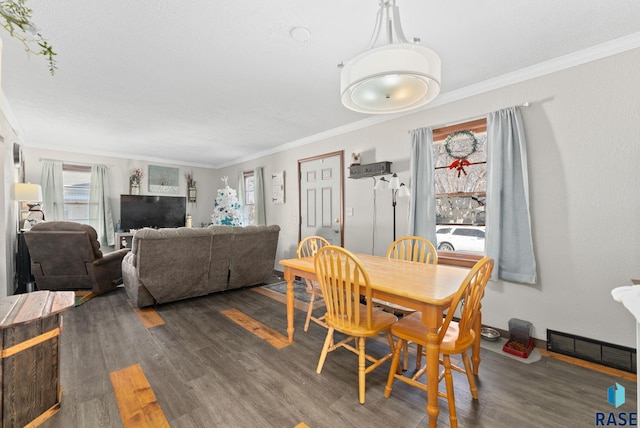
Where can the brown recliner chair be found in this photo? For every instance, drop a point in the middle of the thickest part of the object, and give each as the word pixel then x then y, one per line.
pixel 66 256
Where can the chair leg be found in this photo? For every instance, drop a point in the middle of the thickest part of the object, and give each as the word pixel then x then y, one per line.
pixel 448 378
pixel 323 356
pixel 361 368
pixel 472 381
pixel 394 368
pixel 405 361
pixel 309 311
pixel 392 346
pixel 419 353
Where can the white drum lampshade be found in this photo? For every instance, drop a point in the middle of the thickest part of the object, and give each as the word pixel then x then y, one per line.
pixel 27 192
pixel 390 79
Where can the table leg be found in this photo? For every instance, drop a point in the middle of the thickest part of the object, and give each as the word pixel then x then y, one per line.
pixel 289 277
pixel 432 319
pixel 433 366
pixel 475 353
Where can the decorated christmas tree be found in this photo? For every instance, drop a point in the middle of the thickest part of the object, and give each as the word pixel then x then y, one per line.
pixel 226 207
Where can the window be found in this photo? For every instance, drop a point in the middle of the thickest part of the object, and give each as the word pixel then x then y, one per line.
pixel 460 161
pixel 248 210
pixel 76 180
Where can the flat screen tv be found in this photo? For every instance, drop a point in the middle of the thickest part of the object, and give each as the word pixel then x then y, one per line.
pixel 138 211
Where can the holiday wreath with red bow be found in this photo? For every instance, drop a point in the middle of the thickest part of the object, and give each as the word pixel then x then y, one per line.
pixel 461 138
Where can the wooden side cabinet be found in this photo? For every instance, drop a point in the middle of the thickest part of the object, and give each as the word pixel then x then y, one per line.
pixel 30 326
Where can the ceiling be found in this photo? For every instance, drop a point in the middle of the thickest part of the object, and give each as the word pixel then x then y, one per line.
pixel 209 83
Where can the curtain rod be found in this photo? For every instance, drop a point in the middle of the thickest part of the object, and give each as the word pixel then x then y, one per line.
pixel 525 104
pixel 74 162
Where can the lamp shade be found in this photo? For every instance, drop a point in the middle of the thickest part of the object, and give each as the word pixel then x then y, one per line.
pixel 394 182
pixel 403 191
pixel 391 78
pixel 381 184
pixel 27 192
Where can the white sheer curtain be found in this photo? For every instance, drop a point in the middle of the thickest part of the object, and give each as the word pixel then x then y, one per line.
pixel 241 196
pixel 259 195
pixel 422 208
pixel 508 221
pixel 52 190
pixel 100 215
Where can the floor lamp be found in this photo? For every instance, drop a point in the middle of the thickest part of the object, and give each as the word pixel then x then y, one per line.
pixel 30 193
pixel 397 190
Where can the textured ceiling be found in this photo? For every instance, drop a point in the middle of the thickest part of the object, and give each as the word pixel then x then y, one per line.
pixel 206 82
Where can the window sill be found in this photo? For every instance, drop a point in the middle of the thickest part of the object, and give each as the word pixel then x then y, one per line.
pixel 457 259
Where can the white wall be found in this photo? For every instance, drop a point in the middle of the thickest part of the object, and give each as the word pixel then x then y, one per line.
pixel 8 214
pixel 119 172
pixel 583 148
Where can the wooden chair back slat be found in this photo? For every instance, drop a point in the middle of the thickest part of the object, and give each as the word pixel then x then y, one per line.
pixel 310 245
pixel 341 277
pixel 469 296
pixel 413 249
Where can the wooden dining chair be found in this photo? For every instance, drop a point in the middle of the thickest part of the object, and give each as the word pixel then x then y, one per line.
pixel 453 337
pixel 343 279
pixel 307 248
pixel 414 249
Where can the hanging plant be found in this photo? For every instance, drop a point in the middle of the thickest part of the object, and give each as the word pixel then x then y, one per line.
pixel 16 17
pixel 460 157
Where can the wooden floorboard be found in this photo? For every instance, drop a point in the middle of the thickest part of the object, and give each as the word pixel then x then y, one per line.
pixel 276 339
pixel 148 316
pixel 207 371
pixel 136 401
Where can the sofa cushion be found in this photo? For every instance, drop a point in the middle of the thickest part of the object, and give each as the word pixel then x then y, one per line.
pixel 253 255
pixel 221 244
pixel 173 263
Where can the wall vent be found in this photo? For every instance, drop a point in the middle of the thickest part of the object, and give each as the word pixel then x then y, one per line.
pixel 606 354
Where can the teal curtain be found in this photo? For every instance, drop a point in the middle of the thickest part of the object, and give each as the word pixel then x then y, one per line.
pixel 100 215
pixel 422 208
pixel 52 190
pixel 261 218
pixel 508 222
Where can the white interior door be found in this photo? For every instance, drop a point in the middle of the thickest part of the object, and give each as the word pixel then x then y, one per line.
pixel 321 197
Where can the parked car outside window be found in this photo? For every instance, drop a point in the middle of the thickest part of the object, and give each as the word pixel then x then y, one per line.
pixel 469 239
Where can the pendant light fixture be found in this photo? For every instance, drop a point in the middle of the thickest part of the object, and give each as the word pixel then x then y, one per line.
pixel 392 78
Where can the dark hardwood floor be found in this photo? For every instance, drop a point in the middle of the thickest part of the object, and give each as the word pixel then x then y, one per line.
pixel 207 371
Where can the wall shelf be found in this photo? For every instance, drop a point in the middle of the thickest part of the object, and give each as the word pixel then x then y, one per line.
pixel 370 170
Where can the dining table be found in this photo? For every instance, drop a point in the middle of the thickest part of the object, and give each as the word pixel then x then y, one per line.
pixel 422 287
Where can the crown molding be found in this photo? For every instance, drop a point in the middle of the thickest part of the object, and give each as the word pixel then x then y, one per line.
pixel 613 47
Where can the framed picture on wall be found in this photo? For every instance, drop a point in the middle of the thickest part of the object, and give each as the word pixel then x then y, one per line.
pixel 278 187
pixel 163 179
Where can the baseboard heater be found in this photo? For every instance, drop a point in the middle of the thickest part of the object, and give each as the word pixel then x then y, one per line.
pixel 595 351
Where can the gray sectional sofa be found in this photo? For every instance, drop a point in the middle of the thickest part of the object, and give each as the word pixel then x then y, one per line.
pixel 166 265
